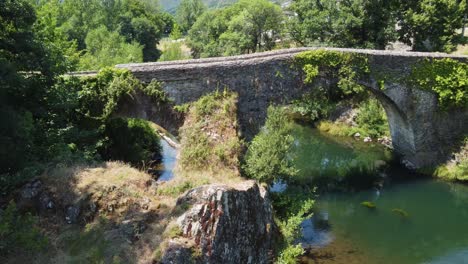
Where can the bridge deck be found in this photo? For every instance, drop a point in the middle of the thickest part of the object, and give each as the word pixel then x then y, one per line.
pixel 260 57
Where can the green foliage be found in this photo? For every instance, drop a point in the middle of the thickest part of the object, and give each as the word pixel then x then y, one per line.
pixel 131 140
pixel 347 68
pixel 113 31
pixel 176 33
pixel 244 27
pixel 210 140
pixel 359 23
pixel 448 78
pixel 313 106
pixel 267 157
pixel 428 25
pixel 431 25
pixel 176 190
pixel 371 119
pixel 457 172
pixel 154 89
pixel 188 12
pixel 88 245
pixel 290 254
pixel 17 232
pixel 105 48
pixel 25 47
pixel 291 207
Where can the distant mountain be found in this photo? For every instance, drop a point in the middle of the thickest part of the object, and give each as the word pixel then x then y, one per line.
pixel 171 5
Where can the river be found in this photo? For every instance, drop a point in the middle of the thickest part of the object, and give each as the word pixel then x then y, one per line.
pixel 414 220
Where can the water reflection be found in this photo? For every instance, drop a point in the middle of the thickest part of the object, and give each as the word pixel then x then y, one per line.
pixel 335 163
pixel 169 158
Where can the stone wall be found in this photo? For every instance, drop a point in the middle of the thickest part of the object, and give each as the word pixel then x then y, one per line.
pixel 420 133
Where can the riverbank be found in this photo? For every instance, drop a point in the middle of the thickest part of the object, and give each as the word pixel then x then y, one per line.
pixel 110 212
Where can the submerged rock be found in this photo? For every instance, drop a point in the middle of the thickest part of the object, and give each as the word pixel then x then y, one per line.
pixel 227 224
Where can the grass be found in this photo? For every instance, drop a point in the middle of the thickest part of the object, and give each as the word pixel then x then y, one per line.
pixel 209 138
pixel 104 238
pixel 174 50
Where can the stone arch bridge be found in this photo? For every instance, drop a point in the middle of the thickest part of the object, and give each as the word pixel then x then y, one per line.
pixel 421 134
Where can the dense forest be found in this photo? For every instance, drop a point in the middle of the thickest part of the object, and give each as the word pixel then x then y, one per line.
pixel 50 119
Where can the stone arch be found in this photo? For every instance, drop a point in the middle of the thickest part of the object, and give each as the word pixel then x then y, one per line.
pixel 401 129
pixel 142 106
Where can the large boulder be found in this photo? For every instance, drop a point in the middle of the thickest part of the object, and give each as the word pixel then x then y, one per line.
pixel 227 224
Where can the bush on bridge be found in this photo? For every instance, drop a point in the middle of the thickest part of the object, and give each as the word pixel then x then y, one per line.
pixel 343 69
pixel 346 68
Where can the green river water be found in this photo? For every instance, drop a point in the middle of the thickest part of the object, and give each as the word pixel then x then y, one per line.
pixel 415 221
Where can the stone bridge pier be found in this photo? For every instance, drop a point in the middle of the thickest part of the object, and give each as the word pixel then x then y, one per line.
pixel 421 134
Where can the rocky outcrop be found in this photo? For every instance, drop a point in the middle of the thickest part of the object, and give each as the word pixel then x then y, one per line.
pixel 226 224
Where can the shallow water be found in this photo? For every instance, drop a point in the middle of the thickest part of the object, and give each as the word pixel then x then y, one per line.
pixel 415 221
pixel 169 158
pixel 435 230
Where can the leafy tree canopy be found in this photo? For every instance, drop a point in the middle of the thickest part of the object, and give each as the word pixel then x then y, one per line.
pixel 245 27
pixel 188 12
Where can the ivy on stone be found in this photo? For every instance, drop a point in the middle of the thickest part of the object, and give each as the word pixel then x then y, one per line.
pixel 347 68
pixel 448 78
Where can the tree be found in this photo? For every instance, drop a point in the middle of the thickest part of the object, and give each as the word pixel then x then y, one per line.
pixel 431 25
pixel 106 48
pixel 247 26
pixel 27 68
pixel 188 12
pixel 268 156
pixel 140 25
pixel 359 23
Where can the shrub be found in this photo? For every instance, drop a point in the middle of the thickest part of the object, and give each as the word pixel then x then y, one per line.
pixel 18 232
pixel 131 140
pixel 347 68
pixel 291 207
pixel 267 157
pixel 372 119
pixel 290 254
